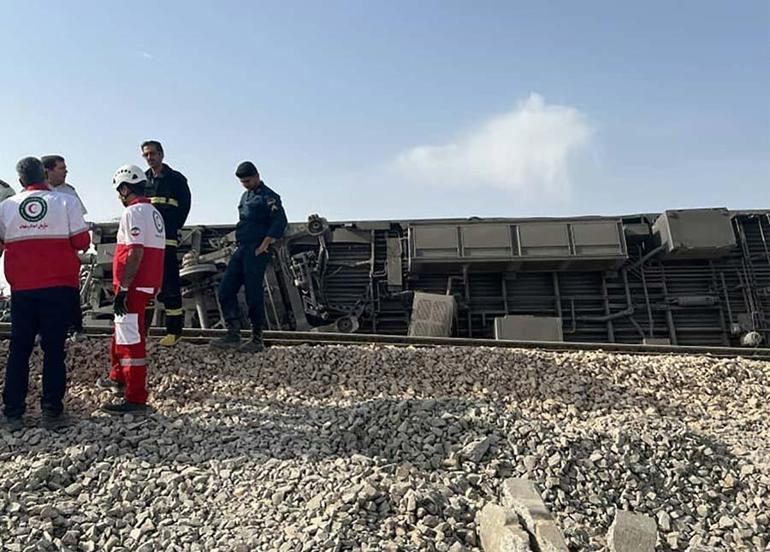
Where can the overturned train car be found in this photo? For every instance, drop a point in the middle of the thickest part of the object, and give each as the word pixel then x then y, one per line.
pixel 686 277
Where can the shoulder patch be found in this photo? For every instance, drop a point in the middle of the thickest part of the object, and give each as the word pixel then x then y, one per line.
pixel 158 221
pixel 135 231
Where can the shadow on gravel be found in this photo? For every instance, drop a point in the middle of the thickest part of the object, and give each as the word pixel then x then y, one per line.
pixel 424 432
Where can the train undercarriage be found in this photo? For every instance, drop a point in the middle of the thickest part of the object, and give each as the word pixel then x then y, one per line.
pixel 686 277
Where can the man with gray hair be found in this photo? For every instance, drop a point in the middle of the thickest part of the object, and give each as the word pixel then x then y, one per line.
pixel 39 224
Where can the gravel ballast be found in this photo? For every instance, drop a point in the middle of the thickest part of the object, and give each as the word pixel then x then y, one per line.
pixel 387 448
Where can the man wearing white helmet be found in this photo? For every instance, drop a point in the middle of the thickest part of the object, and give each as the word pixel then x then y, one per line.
pixel 137 274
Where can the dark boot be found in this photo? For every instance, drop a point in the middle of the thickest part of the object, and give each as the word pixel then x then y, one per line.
pixel 15 423
pixel 253 345
pixel 231 340
pixel 53 420
pixel 124 407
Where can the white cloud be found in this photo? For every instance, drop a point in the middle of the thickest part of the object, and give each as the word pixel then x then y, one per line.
pixel 529 151
pixel 145 55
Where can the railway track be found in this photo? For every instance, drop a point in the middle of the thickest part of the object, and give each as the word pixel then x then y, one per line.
pixel 202 336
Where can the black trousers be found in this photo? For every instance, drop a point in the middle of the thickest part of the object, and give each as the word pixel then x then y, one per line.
pixel 77 311
pixel 244 269
pixel 47 312
pixel 170 293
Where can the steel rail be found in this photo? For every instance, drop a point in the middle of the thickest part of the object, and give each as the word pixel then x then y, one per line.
pixel 196 335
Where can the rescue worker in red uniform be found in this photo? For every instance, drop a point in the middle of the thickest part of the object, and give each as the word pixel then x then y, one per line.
pixel 170 195
pixel 41 232
pixel 137 274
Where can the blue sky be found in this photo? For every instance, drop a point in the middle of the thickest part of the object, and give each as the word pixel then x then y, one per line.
pixel 363 110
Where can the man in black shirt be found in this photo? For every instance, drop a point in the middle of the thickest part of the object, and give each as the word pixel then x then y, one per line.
pixel 170 195
pixel 261 221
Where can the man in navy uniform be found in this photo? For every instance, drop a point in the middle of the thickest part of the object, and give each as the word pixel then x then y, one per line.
pixel 261 221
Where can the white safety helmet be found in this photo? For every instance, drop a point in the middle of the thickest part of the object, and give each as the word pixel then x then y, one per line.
pixel 128 174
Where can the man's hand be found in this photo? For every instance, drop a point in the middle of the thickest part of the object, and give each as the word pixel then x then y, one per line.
pixel 119 307
pixel 263 246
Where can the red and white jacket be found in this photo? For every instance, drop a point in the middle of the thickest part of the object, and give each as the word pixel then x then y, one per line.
pixel 141 226
pixel 41 232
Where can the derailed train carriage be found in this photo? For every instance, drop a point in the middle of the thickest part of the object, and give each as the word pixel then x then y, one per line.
pixel 682 277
